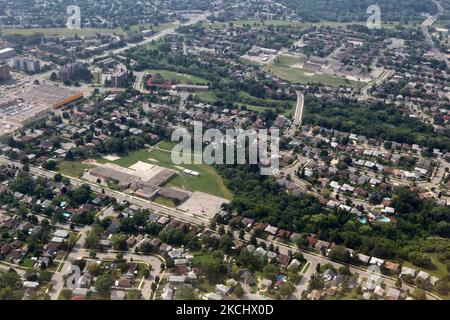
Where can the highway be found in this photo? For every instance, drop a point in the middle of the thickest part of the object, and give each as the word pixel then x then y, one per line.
pixel 425 25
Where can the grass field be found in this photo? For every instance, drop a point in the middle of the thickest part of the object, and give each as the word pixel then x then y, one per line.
pixel 179 77
pixel 207 97
pixel 148 26
pixel 284 23
pixel 165 202
pixel 439 270
pixel 62 31
pixel 85 31
pixel 209 181
pixel 73 168
pixel 301 76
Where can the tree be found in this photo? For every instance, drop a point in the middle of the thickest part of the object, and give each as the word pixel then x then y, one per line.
pixel 286 289
pixel 442 287
pixel 66 294
pixel 45 276
pixel 185 292
pixel 133 294
pixel 103 285
pixel 238 291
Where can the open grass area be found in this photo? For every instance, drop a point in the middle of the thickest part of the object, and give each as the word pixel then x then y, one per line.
pixel 149 26
pixel 165 202
pixel 301 76
pixel 286 61
pixel 182 78
pixel 439 270
pixel 73 168
pixel 62 31
pixel 207 96
pixel 286 23
pixel 209 181
pixel 86 31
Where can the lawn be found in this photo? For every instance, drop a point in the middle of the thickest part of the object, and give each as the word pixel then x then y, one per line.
pixel 148 26
pixel 286 61
pixel 74 169
pixel 209 181
pixel 285 23
pixel 62 31
pixel 165 202
pixel 182 78
pixel 207 97
pixel 439 270
pixel 301 76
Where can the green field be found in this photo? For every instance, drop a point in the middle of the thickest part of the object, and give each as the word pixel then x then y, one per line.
pixel 148 26
pixel 207 96
pixel 439 270
pixel 165 202
pixel 182 78
pixel 62 31
pixel 285 23
pixel 209 181
pixel 85 31
pixel 73 168
pixel 301 76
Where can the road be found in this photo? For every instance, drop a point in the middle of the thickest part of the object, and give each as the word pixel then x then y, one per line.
pixel 192 20
pixel 78 251
pixel 298 115
pixel 425 25
pixel 383 77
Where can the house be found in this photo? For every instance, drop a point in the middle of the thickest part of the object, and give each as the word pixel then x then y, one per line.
pixel 246 277
pixel 265 284
pixel 407 271
pixel 363 258
pixel 376 261
pixel 271 229
pixel 283 259
pixel 391 266
pixel 167 293
pixel 423 275
pixel 213 296
pixel 393 294
pixel 176 280
pixel 294 265
pixel 123 283
pixel 222 289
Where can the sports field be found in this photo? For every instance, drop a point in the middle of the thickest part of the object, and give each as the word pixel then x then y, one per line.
pixel 208 181
pixel 182 78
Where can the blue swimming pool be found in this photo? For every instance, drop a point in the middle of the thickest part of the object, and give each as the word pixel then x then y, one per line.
pixel 384 219
pixel 363 220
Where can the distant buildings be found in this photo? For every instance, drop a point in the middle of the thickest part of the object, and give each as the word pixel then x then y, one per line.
pixel 119 79
pixel 27 64
pixel 4 72
pixel 68 71
pixel 7 53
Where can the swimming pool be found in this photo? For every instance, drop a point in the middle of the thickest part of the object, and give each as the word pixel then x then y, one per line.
pixel 384 219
